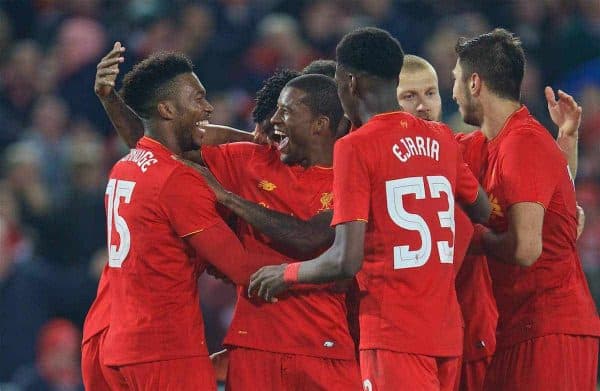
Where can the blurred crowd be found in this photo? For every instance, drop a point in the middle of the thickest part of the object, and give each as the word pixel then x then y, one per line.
pixel 56 143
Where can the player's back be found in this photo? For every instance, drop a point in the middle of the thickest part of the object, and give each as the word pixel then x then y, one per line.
pixel 407 275
pixel 155 312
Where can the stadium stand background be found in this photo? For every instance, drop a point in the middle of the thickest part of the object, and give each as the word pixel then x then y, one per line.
pixel 56 143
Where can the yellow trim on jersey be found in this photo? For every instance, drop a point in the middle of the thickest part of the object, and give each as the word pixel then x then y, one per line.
pixel 192 233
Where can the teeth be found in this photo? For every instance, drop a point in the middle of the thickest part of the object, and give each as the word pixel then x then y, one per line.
pixel 200 123
pixel 280 133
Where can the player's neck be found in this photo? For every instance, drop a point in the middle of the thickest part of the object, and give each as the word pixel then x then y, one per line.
pixel 164 136
pixel 496 112
pixel 320 154
pixel 378 102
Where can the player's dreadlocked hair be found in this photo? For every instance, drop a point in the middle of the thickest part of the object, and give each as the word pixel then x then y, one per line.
pixel 266 97
pixel 321 97
pixel 498 58
pixel 320 67
pixel 151 80
pixel 372 51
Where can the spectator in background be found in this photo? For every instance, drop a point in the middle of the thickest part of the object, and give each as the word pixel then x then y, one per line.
pixel 57 365
pixel 80 42
pixel 279 45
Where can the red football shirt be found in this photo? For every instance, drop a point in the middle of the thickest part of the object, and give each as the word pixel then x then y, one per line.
pixel 98 316
pixel 401 175
pixel 473 281
pixel 552 296
pixel 153 201
pixel 311 321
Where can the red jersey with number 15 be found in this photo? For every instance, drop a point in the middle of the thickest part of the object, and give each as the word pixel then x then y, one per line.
pixel 154 303
pixel 401 175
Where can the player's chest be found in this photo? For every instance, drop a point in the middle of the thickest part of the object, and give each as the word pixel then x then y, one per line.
pixel 296 193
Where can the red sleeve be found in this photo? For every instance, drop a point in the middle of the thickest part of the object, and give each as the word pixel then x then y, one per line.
pixel 462 236
pixel 351 184
pixel 467 186
pixel 219 246
pixel 228 161
pixel 529 169
pixel 188 202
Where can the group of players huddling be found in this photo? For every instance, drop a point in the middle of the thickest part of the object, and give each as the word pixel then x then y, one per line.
pixel 373 249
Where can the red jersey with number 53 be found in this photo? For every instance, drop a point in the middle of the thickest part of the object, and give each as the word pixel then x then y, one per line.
pixel 154 303
pixel 401 175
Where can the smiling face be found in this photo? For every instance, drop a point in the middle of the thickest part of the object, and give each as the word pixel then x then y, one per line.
pixel 193 110
pixel 419 95
pixel 293 121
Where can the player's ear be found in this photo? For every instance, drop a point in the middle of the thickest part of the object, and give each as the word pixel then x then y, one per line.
pixel 474 84
pixel 320 125
pixel 166 110
pixel 353 84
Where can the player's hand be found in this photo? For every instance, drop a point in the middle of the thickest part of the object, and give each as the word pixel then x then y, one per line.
pixel 566 114
pixel 212 182
pixel 220 361
pixel 107 71
pixel 268 282
pixel 580 221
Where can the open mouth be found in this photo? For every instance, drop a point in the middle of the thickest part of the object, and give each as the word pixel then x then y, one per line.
pixel 283 141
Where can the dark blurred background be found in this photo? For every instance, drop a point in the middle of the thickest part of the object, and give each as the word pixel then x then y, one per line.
pixel 56 144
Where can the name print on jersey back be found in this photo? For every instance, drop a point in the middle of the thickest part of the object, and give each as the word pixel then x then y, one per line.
pixel 417 146
pixel 141 157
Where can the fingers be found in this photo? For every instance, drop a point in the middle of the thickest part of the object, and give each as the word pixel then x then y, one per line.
pixel 107 83
pixel 550 97
pixel 566 100
pixel 107 63
pixel 107 72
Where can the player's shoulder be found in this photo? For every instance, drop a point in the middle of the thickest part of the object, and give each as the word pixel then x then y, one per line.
pixel 467 138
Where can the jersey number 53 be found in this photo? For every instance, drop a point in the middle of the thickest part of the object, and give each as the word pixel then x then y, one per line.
pixel 396 189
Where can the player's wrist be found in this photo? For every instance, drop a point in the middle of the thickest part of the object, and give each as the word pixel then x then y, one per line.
pixel 290 273
pixel 477 246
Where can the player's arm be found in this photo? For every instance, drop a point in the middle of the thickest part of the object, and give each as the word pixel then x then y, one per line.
pixel 469 194
pixel 190 207
pixel 566 114
pixel 352 190
pixel 342 261
pixel 521 244
pixel 303 237
pixel 220 247
pixel 478 211
pixel 128 125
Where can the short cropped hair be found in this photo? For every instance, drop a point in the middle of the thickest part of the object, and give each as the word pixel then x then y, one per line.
pixel 498 58
pixel 321 97
pixel 320 67
pixel 267 96
pixel 414 63
pixel 152 80
pixel 372 51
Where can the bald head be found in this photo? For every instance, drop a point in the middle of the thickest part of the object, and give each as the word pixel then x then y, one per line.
pixel 418 92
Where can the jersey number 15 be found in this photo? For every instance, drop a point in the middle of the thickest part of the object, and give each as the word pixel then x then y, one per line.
pixel 118 191
pixel 405 258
